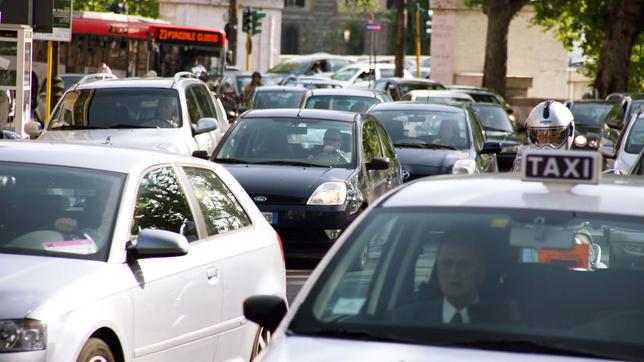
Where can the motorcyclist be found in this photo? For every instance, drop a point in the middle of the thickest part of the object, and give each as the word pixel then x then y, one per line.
pixel 550 125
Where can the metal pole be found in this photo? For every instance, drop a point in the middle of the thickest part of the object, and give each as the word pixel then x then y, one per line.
pixel 417 40
pixel 50 60
pixel 248 49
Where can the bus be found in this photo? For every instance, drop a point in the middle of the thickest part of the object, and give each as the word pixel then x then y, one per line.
pixel 133 46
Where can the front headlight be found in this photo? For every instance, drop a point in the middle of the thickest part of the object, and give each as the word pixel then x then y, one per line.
pixel 581 141
pixel 329 193
pixel 465 166
pixel 20 335
pixel 592 143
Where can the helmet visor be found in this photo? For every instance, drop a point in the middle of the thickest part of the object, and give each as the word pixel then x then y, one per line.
pixel 555 136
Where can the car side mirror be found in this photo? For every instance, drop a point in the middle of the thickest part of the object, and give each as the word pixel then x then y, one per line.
pixel 153 243
pixel 242 109
pixel 205 125
pixel 33 129
pixel 265 310
pixel 491 147
pixel 378 163
pixel 200 154
pixel 607 151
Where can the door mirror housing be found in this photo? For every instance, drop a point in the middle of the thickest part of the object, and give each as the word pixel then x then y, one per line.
pixel 205 125
pixel 491 147
pixel 378 163
pixel 265 310
pixel 153 243
pixel 33 129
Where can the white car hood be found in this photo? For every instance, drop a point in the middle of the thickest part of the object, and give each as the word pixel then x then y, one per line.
pixel 310 349
pixel 27 282
pixel 157 139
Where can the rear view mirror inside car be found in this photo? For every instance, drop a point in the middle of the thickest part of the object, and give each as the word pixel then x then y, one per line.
pixel 541 236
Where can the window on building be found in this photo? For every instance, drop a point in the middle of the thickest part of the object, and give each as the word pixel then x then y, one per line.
pixel 299 3
pixel 290 39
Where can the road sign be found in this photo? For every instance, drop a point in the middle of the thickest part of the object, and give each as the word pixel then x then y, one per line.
pixel 375 27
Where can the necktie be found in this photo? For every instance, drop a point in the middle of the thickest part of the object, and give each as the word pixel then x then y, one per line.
pixel 456 318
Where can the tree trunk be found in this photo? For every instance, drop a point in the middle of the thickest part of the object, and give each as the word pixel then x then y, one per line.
pixel 231 29
pixel 499 15
pixel 624 26
pixel 401 36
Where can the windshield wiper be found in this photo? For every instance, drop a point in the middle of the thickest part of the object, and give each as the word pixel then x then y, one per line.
pixel 120 125
pixel 359 334
pixel 290 163
pixel 69 127
pixel 430 146
pixel 530 346
pixel 230 160
pixel 497 129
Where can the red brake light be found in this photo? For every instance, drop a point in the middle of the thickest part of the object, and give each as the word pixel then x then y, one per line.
pixel 279 241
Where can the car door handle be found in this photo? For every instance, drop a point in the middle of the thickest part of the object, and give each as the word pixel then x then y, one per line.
pixel 213 274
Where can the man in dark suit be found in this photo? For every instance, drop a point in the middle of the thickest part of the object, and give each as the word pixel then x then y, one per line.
pixel 461 270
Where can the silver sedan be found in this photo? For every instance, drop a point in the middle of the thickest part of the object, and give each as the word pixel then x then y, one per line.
pixel 111 254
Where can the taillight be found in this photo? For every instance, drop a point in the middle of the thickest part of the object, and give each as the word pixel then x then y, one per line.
pixel 279 241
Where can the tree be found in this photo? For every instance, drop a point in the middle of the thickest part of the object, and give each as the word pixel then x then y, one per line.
pixel 149 8
pixel 499 15
pixel 607 32
pixel 400 34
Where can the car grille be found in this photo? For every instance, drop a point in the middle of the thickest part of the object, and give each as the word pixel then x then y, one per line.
pixel 279 199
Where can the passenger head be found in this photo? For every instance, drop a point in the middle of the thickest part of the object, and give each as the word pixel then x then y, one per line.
pixel 461 268
pixel 449 129
pixel 333 137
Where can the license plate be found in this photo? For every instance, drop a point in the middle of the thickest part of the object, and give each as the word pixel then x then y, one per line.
pixel 271 217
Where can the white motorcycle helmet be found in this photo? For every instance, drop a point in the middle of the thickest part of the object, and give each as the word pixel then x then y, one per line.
pixel 550 124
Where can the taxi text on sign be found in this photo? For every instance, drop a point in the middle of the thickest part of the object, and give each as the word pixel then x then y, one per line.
pixel 561 166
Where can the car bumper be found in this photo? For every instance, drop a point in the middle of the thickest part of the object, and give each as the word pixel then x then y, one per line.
pixel 307 230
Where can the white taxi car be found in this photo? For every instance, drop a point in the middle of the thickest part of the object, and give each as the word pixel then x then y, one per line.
pixel 111 254
pixel 546 267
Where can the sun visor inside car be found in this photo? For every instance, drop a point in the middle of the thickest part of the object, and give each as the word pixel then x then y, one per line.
pixel 541 236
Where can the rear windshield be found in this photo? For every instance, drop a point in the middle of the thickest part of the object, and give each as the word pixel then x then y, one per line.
pixel 118 108
pixel 356 104
pixel 547 281
pixel 278 99
pixel 494 118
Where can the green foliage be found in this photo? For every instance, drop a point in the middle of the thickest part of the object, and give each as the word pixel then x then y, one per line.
pixel 335 43
pixel 585 23
pixel 354 7
pixel 148 8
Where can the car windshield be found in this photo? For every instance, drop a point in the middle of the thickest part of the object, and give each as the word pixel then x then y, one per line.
pixel 356 104
pixel 57 211
pixel 494 118
pixel 117 108
pixel 300 141
pixel 408 87
pixel 499 278
pixel 243 80
pixel 289 68
pixel 278 99
pixel 410 128
pixel 635 140
pixel 590 114
pixel 484 98
pixel 344 73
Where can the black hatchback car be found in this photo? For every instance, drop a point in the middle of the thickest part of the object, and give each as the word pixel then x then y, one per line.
pixel 590 117
pixel 498 127
pixel 310 172
pixel 433 139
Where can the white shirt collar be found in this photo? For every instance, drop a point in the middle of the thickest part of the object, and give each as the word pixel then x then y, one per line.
pixel 449 310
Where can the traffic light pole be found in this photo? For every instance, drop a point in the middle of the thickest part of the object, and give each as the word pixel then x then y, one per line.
pixel 50 51
pixel 417 41
pixel 249 44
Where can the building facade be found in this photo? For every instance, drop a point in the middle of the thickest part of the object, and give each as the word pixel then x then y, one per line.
pixel 214 14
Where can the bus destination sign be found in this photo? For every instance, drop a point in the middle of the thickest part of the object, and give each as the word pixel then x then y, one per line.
pixel 188 36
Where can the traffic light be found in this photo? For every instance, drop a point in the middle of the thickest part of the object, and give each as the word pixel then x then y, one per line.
pixel 257 21
pixel 428 23
pixel 247 20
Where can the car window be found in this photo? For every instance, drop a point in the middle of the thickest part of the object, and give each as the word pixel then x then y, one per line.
pixel 357 104
pixel 345 74
pixel 337 64
pixel 370 141
pixel 227 84
pixel 635 139
pixel 386 72
pixel 193 107
pixel 204 101
pixel 484 98
pixel 221 210
pixel 615 116
pixel 386 141
pixel 58 211
pixel 315 142
pixel 277 99
pixel 162 204
pixel 395 273
pixel 477 131
pixel 415 128
pixel 494 118
pixel 408 87
pixel 118 108
pixel 590 114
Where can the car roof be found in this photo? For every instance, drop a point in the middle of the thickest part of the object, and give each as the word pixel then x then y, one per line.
pixel 621 195
pixel 315 56
pixel 439 93
pixel 135 83
pixel 345 91
pixel 487 105
pixel 408 80
pixel 97 157
pixel 422 106
pixel 303 113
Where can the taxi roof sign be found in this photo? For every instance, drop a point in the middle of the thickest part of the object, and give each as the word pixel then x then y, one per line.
pixel 557 166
